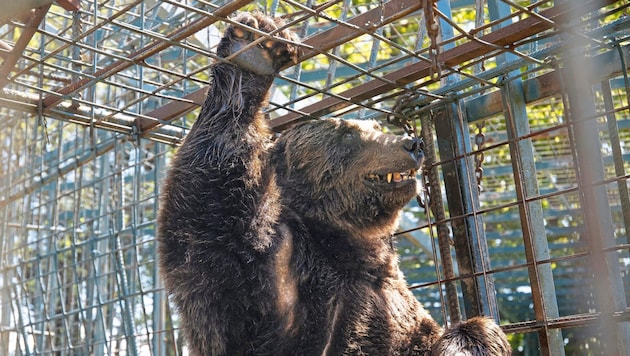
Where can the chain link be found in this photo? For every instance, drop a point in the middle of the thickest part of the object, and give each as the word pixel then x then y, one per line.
pixel 433 31
pixel 424 198
pixel 480 140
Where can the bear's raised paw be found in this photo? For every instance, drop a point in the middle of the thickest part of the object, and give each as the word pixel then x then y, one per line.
pixel 267 56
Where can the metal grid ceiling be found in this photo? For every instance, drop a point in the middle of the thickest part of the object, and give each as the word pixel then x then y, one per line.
pixel 523 106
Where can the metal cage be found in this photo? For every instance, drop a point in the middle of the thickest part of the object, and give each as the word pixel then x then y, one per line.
pixel 523 107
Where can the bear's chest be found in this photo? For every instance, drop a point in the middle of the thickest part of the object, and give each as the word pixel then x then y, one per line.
pixel 362 315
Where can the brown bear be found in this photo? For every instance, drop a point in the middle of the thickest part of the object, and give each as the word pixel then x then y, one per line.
pixel 285 247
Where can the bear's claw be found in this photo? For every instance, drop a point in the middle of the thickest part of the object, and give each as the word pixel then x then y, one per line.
pixel 266 57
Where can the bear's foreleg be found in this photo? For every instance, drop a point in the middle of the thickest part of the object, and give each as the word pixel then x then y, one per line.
pixel 219 206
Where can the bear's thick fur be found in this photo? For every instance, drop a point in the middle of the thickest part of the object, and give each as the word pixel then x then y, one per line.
pixel 285 247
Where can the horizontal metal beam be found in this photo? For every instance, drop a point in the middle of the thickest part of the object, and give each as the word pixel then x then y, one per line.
pixel 70 5
pixel 172 110
pixel 101 118
pixel 605 66
pixel 550 51
pixel 30 28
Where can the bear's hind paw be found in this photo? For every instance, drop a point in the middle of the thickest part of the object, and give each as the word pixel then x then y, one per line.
pixel 477 336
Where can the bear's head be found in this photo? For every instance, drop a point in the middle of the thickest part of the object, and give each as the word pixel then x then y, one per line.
pixel 347 173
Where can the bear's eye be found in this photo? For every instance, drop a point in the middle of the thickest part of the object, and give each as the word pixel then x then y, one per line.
pixel 348 136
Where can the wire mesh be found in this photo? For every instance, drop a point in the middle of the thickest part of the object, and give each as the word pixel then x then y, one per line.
pixel 527 205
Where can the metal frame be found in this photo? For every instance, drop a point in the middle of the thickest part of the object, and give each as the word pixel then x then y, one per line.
pixel 95 95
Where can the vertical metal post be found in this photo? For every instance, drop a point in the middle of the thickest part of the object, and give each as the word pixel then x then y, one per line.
pixel 531 213
pixel 446 32
pixel 498 9
pixel 5 290
pixel 96 320
pixel 614 337
pixel 101 261
pixel 613 132
pixel 532 217
pixel 6 270
pixel 463 202
pixel 125 297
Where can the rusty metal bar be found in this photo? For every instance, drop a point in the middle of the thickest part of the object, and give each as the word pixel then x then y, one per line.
pixel 76 39
pixel 436 206
pixel 70 5
pixel 84 115
pixel 172 110
pixel 455 56
pixel 29 31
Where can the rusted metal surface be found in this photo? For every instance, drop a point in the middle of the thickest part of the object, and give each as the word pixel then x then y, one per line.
pixel 468 236
pixel 70 5
pixel 531 214
pixel 505 37
pixel 172 110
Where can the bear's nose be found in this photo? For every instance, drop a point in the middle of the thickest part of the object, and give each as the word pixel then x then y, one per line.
pixel 414 146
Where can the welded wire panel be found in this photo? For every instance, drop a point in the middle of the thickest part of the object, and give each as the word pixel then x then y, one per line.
pixel 94 102
pixel 78 250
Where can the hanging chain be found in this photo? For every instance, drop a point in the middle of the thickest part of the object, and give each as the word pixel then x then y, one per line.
pixel 433 31
pixel 430 183
pixel 480 140
pixel 398 117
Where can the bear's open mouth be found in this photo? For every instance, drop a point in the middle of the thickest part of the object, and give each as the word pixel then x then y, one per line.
pixel 391 177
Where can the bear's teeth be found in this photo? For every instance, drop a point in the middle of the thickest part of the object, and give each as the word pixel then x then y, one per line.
pixel 395 177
